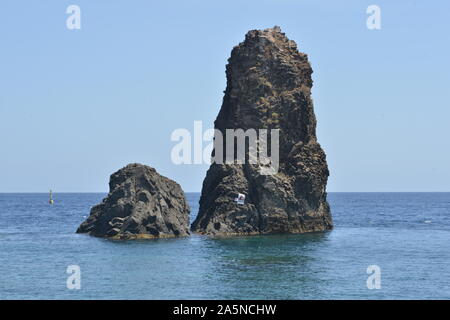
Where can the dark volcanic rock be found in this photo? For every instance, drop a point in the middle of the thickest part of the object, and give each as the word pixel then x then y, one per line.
pixel 268 87
pixel 141 204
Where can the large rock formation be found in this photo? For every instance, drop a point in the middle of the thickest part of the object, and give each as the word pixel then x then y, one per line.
pixel 268 87
pixel 141 204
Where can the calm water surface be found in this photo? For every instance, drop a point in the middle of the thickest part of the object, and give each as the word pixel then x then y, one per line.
pixel 406 234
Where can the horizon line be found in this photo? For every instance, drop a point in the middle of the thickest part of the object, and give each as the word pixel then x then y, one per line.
pixel 106 192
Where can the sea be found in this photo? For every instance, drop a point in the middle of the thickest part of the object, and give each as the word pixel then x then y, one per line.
pixel 383 246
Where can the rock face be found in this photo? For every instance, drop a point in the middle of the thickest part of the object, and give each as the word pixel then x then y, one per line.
pixel 141 204
pixel 268 87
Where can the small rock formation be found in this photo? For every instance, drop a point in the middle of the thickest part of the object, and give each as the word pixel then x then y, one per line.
pixel 268 87
pixel 141 204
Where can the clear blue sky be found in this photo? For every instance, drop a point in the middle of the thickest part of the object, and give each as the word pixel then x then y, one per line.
pixel 76 105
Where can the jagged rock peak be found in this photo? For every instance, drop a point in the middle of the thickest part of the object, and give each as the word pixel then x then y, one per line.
pixel 268 87
pixel 270 35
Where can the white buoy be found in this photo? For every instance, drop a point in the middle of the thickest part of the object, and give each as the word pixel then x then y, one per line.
pixel 51 201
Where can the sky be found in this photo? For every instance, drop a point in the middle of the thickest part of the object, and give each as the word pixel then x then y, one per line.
pixel 77 105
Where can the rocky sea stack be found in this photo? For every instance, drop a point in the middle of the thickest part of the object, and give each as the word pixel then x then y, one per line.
pixel 141 204
pixel 268 87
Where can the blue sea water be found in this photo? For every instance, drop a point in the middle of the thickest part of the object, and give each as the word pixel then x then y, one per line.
pixel 406 234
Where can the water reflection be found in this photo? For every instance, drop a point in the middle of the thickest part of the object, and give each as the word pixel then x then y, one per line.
pixel 267 267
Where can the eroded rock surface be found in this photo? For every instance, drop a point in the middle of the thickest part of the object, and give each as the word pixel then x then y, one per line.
pixel 141 204
pixel 268 87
